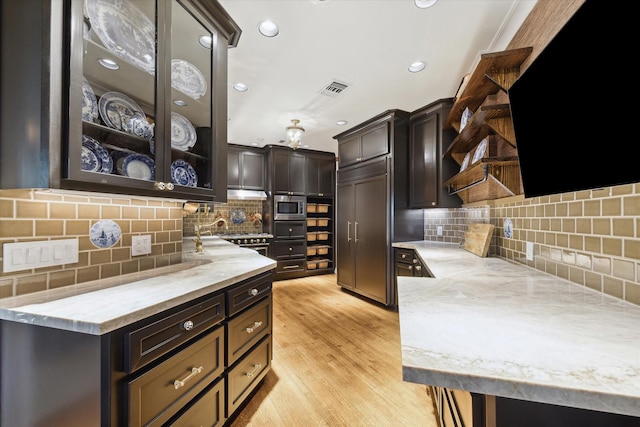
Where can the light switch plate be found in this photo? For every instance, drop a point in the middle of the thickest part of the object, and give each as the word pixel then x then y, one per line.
pixel 43 253
pixel 439 230
pixel 529 251
pixel 140 245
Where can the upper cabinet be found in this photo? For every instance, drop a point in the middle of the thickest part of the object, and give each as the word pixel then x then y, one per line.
pixel 485 147
pixel 134 103
pixel 363 146
pixel 245 168
pixel 428 169
pixel 286 171
pixel 321 173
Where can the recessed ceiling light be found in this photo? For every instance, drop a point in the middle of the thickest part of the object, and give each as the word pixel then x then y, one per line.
pixel 241 87
pixel 180 102
pixel 423 4
pixel 417 66
pixel 108 63
pixel 268 28
pixel 341 122
pixel 205 41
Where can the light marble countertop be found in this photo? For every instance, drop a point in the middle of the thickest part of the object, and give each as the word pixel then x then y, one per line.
pixel 491 326
pixel 101 306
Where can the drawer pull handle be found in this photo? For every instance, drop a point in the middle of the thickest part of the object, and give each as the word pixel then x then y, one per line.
pixel 188 325
pixel 254 327
pixel 256 368
pixel 194 371
pixel 253 292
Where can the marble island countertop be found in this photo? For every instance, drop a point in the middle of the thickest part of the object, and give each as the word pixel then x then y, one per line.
pixel 494 327
pixel 101 306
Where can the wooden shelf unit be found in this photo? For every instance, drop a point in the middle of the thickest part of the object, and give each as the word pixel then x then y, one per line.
pixel 497 173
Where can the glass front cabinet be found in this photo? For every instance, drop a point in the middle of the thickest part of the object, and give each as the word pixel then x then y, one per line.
pixel 134 96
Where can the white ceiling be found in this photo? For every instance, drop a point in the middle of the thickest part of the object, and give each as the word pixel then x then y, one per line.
pixel 367 44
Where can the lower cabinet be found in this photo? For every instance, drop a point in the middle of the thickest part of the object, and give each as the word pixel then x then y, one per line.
pixel 289 249
pixel 194 364
pixel 459 408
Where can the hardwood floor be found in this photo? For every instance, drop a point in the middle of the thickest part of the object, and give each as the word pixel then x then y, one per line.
pixel 336 362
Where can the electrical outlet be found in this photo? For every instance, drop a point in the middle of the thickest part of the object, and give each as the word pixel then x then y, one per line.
pixel 529 246
pixel 140 245
pixel 439 230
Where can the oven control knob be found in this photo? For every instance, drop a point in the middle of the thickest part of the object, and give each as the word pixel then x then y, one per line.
pixel 245 241
pixel 252 240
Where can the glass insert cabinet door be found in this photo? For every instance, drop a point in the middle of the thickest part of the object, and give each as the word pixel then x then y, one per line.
pixel 141 98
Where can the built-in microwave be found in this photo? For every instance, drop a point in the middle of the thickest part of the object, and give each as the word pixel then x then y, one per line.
pixel 289 207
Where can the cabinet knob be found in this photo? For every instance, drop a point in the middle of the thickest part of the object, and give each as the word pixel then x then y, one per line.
pixel 169 186
pixel 404 256
pixel 188 325
pixel 159 186
pixel 253 292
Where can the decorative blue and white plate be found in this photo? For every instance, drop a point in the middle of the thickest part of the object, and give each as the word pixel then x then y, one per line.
pixel 187 78
pixel 115 105
pixel 105 233
pixel 89 160
pixel 508 228
pixel 238 216
pixel 125 31
pixel 89 103
pixel 182 173
pixel 139 166
pixel 104 162
pixel 183 134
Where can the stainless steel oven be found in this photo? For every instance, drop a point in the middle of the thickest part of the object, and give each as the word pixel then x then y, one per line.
pixel 259 242
pixel 289 208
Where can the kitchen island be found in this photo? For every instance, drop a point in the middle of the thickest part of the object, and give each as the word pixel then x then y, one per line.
pixel 500 329
pixel 164 345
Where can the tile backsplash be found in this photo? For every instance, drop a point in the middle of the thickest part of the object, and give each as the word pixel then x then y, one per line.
pixel 590 237
pixel 33 215
pixel 240 216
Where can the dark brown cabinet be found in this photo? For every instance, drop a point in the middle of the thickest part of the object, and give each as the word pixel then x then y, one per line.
pixel 86 127
pixel 321 172
pixel 364 146
pixel 372 208
pixel 428 170
pixel 286 171
pixel 246 168
pixel 289 249
pixel 196 362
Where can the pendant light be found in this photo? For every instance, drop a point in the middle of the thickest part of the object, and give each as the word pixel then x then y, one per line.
pixel 294 134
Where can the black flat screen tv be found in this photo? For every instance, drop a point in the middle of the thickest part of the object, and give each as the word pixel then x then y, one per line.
pixel 573 111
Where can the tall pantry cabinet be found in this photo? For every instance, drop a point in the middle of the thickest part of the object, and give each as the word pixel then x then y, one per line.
pixel 372 206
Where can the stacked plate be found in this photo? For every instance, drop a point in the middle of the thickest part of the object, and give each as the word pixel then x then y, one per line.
pixel 114 107
pixel 183 134
pixel 139 166
pixel 89 103
pixel 182 173
pixel 95 158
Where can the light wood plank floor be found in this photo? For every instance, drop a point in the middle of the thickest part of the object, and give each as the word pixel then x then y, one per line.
pixel 336 362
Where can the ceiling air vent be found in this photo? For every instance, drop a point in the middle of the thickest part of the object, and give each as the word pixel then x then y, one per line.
pixel 334 88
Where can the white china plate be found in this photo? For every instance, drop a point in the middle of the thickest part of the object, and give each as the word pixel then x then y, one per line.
pixel 183 134
pixel 238 216
pixel 103 161
pixel 480 149
pixel 465 162
pixel 187 78
pixel 125 31
pixel 182 173
pixel 105 233
pixel 89 103
pixel 508 228
pixel 139 166
pixel 114 105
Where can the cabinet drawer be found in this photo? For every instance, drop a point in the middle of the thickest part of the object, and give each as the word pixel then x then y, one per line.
pixel 249 292
pixel 152 341
pixel 246 375
pixel 289 229
pixel 247 329
pixel 288 250
pixel 287 267
pixel 157 395
pixel 208 410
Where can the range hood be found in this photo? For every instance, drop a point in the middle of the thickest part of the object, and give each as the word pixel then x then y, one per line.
pixel 246 195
